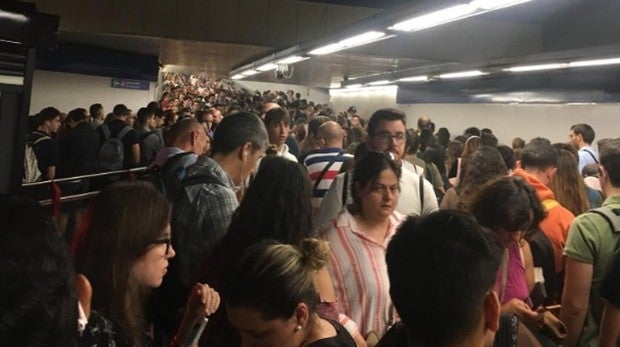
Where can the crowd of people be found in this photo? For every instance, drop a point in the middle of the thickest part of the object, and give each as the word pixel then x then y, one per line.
pixel 286 224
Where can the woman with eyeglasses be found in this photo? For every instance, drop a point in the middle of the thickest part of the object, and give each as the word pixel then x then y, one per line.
pixel 124 252
pixel 358 239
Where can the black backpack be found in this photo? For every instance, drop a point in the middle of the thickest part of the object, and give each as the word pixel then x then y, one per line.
pixel 111 154
pixel 167 178
pixel 145 157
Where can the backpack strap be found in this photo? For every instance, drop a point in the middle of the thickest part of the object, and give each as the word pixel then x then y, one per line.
pixel 612 216
pixel 325 169
pixel 200 179
pixel 421 188
pixel 172 161
pixel 345 188
pixel 106 131
pixel 591 154
pixel 123 132
pixel 145 135
pixel 41 139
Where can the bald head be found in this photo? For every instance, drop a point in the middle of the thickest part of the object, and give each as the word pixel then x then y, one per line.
pixel 424 122
pixel 188 135
pixel 331 133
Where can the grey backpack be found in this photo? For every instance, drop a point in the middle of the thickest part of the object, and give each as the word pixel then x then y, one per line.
pixel 111 154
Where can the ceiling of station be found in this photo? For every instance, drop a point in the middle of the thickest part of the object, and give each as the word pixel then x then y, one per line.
pixel 537 31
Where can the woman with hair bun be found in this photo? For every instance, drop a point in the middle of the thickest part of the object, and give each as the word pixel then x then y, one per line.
pixel 271 299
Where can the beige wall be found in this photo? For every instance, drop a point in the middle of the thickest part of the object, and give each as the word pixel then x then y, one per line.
pixel 67 91
pixel 506 121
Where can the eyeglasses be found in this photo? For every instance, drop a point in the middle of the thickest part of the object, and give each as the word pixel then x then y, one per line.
pixel 387 137
pixel 167 242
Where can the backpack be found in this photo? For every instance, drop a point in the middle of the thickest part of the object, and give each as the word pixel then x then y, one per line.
pixel 145 157
pixel 31 164
pixel 167 178
pixel 111 154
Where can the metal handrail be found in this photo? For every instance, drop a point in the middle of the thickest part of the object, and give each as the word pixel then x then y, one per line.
pixel 69 198
pixel 75 178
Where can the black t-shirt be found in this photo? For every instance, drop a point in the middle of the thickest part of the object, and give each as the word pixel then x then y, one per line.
pixel 130 138
pixel 46 151
pixel 342 338
pixel 611 285
pixel 78 150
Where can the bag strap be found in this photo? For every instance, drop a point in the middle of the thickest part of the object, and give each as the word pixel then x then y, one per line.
pixel 421 188
pixel 199 179
pixel 504 266
pixel 145 135
pixel 171 162
pixel 591 154
pixel 325 169
pixel 106 131
pixel 345 188
pixel 40 139
pixel 612 216
pixel 123 132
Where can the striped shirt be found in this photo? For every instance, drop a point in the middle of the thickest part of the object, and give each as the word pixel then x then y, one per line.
pixel 316 162
pixel 359 272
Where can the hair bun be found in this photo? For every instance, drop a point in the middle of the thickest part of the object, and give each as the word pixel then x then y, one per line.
pixel 314 253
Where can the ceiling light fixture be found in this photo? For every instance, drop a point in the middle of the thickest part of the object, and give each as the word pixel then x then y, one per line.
pixel 539 67
pixel 353 86
pixel 249 72
pixel 490 5
pixel 596 62
pixel 292 59
pixel 463 74
pixel 379 83
pixel 267 67
pixel 432 19
pixel 354 41
pixel 237 77
pixel 414 79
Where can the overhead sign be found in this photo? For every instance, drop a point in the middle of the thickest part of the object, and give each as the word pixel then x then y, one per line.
pixel 130 84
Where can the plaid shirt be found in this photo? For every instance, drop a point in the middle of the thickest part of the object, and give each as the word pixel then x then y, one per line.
pixel 202 215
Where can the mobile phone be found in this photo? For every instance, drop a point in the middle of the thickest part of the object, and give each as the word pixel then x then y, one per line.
pixel 196 332
pixel 538 295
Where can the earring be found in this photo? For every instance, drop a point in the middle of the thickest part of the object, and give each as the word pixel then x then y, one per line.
pixel 297 327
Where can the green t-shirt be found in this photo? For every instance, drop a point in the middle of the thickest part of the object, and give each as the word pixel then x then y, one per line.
pixel 591 241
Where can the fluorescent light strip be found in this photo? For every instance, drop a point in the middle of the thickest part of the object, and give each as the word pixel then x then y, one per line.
pixel 539 67
pixel 292 59
pixel 354 41
pixel 267 67
pixel 463 74
pixel 596 62
pixel 237 77
pixel 432 19
pixel 414 79
pixel 490 5
pixel 379 83
pixel 249 72
pixel 353 86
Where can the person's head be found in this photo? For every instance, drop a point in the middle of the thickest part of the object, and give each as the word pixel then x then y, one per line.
pixel 581 135
pixel 609 155
pixel 125 256
pixel 270 296
pixel 424 122
pixel 170 117
pixel 518 143
pixel 443 135
pixel 568 186
pixel 508 206
pixel 121 111
pixel 330 134
pixel 96 112
pixel 159 117
pixel 49 120
pixel 413 142
pixel 313 127
pixel 488 139
pixel 352 110
pixel 590 170
pixel 277 122
pixel 189 135
pixel 442 269
pixel 216 115
pixel 482 166
pixel 539 158
pixel 386 132
pixel 454 150
pixel 37 291
pixel 242 138
pixel 471 131
pixel 375 186
pixel 275 206
pixel 471 145
pixel 146 117
pixel 508 154
pixel 355 121
pixel 76 117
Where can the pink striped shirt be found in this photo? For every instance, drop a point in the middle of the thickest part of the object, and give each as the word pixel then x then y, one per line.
pixel 359 272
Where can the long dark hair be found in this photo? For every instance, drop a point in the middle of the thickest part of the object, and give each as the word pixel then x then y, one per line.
pixel 114 240
pixel 276 206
